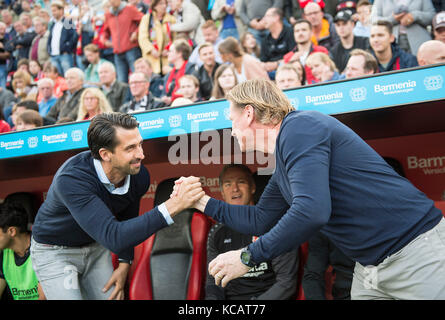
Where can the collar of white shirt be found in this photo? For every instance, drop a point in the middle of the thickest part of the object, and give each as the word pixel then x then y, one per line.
pixel 106 182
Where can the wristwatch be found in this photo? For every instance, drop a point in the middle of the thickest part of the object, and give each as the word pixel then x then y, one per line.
pixel 125 261
pixel 246 257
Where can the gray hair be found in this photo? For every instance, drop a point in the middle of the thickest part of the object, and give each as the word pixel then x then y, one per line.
pixel 77 71
pixel 42 21
pixel 107 64
pixel 45 80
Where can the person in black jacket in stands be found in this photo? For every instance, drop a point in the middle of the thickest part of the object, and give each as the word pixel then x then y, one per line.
pixel 271 280
pixel 206 72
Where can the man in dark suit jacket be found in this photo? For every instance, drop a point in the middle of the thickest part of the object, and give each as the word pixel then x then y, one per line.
pixel 62 40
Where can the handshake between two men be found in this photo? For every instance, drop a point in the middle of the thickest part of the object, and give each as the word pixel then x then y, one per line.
pixel 188 193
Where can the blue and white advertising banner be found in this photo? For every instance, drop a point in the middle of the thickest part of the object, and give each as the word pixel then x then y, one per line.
pixel 380 91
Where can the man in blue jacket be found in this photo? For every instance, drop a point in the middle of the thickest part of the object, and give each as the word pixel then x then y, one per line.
pixel 62 40
pixel 387 52
pixel 92 208
pixel 328 179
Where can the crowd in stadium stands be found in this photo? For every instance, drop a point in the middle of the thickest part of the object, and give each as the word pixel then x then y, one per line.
pixel 136 53
pixel 69 61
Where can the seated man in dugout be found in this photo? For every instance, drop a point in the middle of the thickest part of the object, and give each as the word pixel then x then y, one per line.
pixel 271 280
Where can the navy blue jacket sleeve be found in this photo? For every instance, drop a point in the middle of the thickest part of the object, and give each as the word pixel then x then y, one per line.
pixel 96 219
pixel 303 148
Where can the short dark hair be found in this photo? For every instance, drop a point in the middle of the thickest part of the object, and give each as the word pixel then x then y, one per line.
pixel 31 117
pixel 29 104
pixel 102 130
pixel 13 215
pixel 183 47
pixel 242 167
pixel 384 23
pixel 304 21
pixel 279 12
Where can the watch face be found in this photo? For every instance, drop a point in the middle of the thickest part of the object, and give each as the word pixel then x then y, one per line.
pixel 245 257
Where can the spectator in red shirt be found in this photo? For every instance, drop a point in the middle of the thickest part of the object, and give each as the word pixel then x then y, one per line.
pixel 4 126
pixel 178 56
pixel 121 23
pixel 304 47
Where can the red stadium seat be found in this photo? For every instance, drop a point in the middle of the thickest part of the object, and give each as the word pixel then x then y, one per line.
pixel 302 252
pixel 440 205
pixel 172 265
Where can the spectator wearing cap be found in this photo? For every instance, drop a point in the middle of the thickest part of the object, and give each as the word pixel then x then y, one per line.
pixel 439 26
pixel 344 26
pixel 304 48
pixel 361 63
pixel 62 39
pixel 388 54
pixel 409 20
pixel 431 52
pixel 362 19
pixel 279 40
pixel 122 23
pixel 322 25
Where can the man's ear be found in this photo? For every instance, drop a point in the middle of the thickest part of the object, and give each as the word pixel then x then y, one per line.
pixel 105 154
pixel 250 113
pixel 11 231
pixel 392 38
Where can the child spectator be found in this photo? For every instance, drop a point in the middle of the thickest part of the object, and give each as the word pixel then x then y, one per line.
pixel 225 79
pixel 323 68
pixel 28 119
